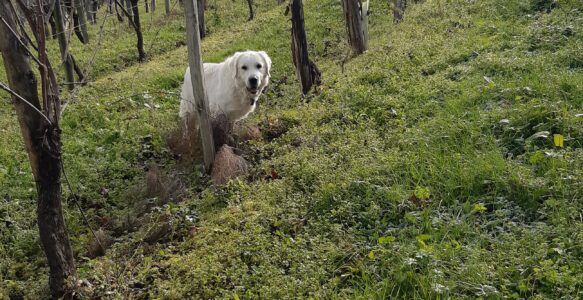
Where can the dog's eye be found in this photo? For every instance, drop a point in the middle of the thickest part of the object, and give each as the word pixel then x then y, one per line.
pixel 244 68
pixel 259 66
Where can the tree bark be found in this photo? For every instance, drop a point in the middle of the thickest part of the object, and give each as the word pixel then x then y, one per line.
pixel 146 6
pixel 352 15
pixel 54 30
pixel 48 8
pixel 88 4
pixel 78 70
pixel 153 5
pixel 251 15
pixel 130 11
pixel 43 145
pixel 118 6
pixel 134 19
pixel 79 21
pixel 138 29
pixel 167 6
pixel 201 4
pixel 399 10
pixel 94 9
pixel 306 70
pixel 65 57
pixel 196 71
pixel 114 7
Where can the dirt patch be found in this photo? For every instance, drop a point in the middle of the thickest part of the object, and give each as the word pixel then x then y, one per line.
pixel 184 142
pixel 235 157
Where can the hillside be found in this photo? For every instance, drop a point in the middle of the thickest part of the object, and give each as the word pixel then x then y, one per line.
pixel 425 168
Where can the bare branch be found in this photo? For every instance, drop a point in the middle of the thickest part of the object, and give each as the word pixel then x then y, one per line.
pixel 20 41
pixel 42 53
pixel 29 18
pixel 21 26
pixel 71 82
pixel 51 9
pixel 13 93
pixel 127 14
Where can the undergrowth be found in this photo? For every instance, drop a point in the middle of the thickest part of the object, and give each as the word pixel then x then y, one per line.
pixel 429 167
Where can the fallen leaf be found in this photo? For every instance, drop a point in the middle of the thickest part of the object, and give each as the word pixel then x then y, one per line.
pixel 559 140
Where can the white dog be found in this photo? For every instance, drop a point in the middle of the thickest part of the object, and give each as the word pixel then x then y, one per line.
pixel 232 86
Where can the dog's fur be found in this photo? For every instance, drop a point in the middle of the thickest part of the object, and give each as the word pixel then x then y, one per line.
pixel 233 86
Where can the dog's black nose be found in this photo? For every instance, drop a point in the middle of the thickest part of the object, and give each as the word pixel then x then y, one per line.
pixel 253 82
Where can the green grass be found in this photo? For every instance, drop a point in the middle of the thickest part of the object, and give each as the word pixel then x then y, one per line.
pixel 413 172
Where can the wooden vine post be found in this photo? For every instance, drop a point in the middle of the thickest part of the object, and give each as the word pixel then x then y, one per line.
pixel 196 76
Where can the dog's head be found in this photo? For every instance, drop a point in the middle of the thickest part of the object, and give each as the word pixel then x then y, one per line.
pixel 252 70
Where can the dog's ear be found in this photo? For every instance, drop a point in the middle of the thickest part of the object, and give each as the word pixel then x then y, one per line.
pixel 267 62
pixel 232 62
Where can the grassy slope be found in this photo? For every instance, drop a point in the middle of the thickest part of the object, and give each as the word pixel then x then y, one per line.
pixel 494 212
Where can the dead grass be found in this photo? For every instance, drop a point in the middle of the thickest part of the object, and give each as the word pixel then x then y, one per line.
pixel 228 165
pixel 185 144
pixel 165 187
pixel 98 244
